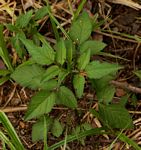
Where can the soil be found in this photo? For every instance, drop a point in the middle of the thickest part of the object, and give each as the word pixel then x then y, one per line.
pixel 14 99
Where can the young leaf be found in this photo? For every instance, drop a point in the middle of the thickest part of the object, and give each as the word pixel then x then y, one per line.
pixel 50 73
pixel 62 75
pixel 28 76
pixel 83 60
pixel 60 52
pixel 11 27
pixel 40 13
pixel 97 70
pixel 81 28
pixel 17 44
pixel 70 47
pixel 104 90
pixel 38 129
pixel 41 55
pixel 66 97
pixel 40 104
pixel 57 128
pixel 94 46
pixel 78 84
pixel 23 20
pixel 115 116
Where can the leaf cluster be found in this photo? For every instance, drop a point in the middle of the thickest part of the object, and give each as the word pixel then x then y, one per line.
pixel 60 72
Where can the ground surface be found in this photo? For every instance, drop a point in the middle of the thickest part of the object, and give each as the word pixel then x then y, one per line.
pixel 14 99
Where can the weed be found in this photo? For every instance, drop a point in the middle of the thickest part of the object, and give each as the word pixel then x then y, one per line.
pixel 50 68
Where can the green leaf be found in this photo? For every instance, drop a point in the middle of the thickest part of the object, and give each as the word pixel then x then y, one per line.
pixel 97 70
pixel 66 97
pixel 70 47
pixel 40 104
pixel 60 52
pixel 57 128
pixel 94 46
pixel 18 45
pixel 11 27
pixel 62 75
pixel 49 85
pixel 78 84
pixel 28 76
pixel 42 55
pixel 83 60
pixel 50 73
pixel 138 74
pixel 104 91
pixel 38 129
pixel 4 79
pixel 115 116
pixel 40 13
pixel 23 20
pixel 81 28
pixel 4 72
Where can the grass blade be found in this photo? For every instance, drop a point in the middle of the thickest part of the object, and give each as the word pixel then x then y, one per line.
pixel 58 24
pixel 125 139
pixel 45 134
pixel 78 136
pixel 11 132
pixel 80 7
pixel 4 51
pixel 7 141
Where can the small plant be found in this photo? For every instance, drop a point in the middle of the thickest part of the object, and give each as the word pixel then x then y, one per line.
pixel 60 73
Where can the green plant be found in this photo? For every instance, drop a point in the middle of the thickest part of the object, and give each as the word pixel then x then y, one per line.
pixel 60 73
pixel 13 140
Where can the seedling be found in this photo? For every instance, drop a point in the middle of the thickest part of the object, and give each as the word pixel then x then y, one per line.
pixel 59 74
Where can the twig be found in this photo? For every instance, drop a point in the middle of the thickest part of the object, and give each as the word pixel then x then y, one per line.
pixel 117 37
pixel 126 86
pixel 13 109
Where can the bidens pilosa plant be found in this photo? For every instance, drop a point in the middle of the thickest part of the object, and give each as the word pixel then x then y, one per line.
pixel 60 72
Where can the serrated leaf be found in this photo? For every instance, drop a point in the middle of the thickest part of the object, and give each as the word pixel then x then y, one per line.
pixel 115 116
pixel 138 74
pixel 50 73
pixel 66 97
pixel 28 76
pixel 17 44
pixel 41 55
pixel 23 20
pixel 40 104
pixel 62 75
pixel 83 60
pixel 78 84
pixel 57 128
pixel 94 46
pixel 60 52
pixel 81 28
pixel 104 91
pixel 11 27
pixel 40 13
pixel 38 129
pixel 97 70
